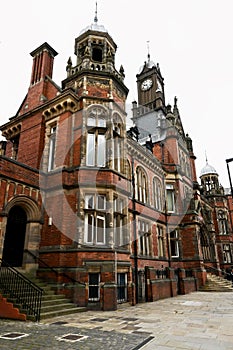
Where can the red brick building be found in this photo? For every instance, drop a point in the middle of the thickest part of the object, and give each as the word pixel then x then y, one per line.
pixel 107 215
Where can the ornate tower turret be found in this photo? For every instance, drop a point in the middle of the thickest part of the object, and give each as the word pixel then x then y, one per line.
pixel 209 180
pixel 94 74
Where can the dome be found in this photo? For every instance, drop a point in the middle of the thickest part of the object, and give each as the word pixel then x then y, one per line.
pixel 150 64
pixel 208 170
pixel 94 27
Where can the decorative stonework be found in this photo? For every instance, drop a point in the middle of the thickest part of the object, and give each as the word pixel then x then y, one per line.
pixel 12 131
pixel 145 157
pixel 67 105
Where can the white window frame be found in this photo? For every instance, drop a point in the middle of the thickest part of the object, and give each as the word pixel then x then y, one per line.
pixel 95 213
pixel 96 149
pixel 174 240
pixel 157 192
pixel 141 185
pixel 119 216
pixel 144 237
pixel 160 231
pixel 170 198
pixel 52 148
pixel 226 249
pixel 94 285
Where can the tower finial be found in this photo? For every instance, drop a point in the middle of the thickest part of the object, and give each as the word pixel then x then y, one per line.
pixel 206 158
pixel 148 49
pixel 96 18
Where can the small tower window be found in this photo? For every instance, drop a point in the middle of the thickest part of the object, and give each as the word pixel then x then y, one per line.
pixel 97 54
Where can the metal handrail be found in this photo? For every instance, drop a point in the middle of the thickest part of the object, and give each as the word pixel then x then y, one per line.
pixel 20 288
pixel 39 260
pixel 211 268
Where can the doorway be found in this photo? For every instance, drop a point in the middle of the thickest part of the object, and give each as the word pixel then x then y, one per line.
pixel 15 237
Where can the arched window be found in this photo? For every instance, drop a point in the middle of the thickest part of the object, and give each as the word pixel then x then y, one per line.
pixel 141 185
pixel 157 193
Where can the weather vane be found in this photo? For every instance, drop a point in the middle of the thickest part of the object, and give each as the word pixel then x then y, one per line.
pixel 148 49
pixel 96 18
pixel 206 158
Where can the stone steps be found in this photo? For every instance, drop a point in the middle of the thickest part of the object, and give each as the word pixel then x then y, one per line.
pixel 216 284
pixel 52 304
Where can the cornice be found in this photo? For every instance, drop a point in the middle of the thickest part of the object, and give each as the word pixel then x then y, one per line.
pixel 65 101
pixel 62 105
pixel 143 155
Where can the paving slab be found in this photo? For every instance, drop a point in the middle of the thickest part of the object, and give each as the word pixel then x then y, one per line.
pixel 196 321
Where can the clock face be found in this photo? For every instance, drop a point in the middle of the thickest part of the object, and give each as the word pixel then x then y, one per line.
pixel 146 84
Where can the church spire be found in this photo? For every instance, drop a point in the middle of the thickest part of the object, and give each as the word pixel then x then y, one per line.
pixel 96 18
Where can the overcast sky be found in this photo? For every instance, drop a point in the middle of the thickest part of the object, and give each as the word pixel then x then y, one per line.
pixel 190 39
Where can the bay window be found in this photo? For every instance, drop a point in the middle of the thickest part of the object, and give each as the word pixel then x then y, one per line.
pixel 95 219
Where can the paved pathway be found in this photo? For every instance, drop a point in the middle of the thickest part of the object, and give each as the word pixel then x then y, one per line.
pixel 196 321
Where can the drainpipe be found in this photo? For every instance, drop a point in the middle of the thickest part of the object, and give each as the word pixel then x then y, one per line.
pixel 165 209
pixel 135 235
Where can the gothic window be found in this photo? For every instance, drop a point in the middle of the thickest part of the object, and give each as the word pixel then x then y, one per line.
pixel 95 219
pixel 119 220
pixel 52 147
pixel 161 252
pixel 96 137
pixel 222 222
pixel 94 286
pixel 174 244
pixel 144 238
pixel 170 198
pixel 141 186
pixel 157 192
pixel 226 253
pixel 205 245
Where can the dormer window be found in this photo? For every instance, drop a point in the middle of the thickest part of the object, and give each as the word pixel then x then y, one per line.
pixel 97 54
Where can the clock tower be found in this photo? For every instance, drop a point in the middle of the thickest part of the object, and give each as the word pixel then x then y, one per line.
pixel 150 86
pixel 149 113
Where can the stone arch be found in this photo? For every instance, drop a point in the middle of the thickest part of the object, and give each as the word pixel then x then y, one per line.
pixel 28 204
pixel 32 232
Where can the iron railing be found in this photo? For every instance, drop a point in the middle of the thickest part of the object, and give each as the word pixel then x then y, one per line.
pixel 215 271
pixel 20 289
pixel 161 274
pixel 51 269
pixel 188 273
